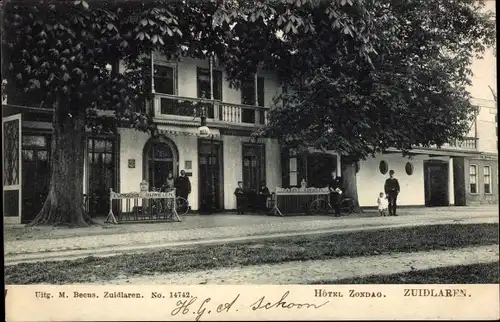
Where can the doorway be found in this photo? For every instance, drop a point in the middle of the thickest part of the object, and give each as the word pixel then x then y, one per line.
pixel 436 183
pixel 160 158
pixel 102 175
pixel 36 174
pixel 210 172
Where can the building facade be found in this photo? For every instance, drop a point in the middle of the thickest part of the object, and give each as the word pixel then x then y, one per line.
pixel 460 173
pixel 214 164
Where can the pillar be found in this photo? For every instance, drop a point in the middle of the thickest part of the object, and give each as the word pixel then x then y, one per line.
pixel 451 183
pixel 339 170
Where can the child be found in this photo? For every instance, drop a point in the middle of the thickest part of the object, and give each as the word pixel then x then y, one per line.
pixel 240 198
pixel 382 204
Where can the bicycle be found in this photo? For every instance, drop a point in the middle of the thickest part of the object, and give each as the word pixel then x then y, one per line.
pixel 322 205
pixel 181 204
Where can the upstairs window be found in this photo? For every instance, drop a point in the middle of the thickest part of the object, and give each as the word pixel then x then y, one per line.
pixel 203 83
pixel 164 79
pixel 248 92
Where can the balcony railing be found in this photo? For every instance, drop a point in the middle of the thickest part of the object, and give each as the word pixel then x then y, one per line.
pixel 186 108
pixel 468 143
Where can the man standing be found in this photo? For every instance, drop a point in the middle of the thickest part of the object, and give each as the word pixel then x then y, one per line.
pixel 335 186
pixel 182 185
pixel 391 188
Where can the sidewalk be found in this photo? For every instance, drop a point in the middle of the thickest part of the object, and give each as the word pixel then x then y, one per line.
pixel 211 229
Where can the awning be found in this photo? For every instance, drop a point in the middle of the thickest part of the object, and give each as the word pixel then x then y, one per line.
pixel 187 131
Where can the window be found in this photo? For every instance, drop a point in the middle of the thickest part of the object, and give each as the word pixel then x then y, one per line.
pixel 203 83
pixel 473 178
pixel 383 167
pixel 248 92
pixel 164 79
pixel 487 179
pixel 409 168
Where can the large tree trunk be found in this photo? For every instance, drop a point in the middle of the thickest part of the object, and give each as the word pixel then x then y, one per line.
pixel 64 202
pixel 350 185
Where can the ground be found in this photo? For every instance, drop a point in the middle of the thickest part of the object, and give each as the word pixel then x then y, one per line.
pixel 420 245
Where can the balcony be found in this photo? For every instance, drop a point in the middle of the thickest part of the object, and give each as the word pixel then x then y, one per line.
pixel 468 143
pixel 185 109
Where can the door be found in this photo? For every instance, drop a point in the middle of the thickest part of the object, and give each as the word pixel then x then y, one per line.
pixel 101 160
pixel 254 166
pixel 210 175
pixel 436 183
pixel 12 168
pixel 160 163
pixel 36 173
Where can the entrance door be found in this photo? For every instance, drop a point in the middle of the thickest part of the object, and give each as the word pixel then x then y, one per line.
pixel 210 175
pixel 254 166
pixel 36 175
pixel 436 183
pixel 160 156
pixel 101 154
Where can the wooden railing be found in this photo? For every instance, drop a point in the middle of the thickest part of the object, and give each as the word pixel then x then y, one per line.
pixel 187 107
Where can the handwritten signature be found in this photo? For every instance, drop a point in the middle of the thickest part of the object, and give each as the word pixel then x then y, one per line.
pixel 183 307
pixel 200 307
pixel 263 304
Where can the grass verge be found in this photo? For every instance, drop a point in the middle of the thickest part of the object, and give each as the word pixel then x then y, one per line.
pixel 464 274
pixel 277 250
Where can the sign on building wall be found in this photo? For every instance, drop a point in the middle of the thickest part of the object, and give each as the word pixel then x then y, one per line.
pixel 131 163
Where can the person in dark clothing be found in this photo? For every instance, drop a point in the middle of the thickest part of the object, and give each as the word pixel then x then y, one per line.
pixel 335 186
pixel 182 185
pixel 391 188
pixel 263 195
pixel 240 198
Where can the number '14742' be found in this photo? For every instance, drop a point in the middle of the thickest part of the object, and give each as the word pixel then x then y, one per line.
pixel 175 295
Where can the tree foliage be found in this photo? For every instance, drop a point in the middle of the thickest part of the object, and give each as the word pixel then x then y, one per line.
pixel 412 92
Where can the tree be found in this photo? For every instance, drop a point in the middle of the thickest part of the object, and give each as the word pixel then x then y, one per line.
pixel 411 92
pixel 58 51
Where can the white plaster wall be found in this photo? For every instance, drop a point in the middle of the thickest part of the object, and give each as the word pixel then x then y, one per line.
pixel 273 164
pixel 233 171
pixel 132 146
pixel 370 181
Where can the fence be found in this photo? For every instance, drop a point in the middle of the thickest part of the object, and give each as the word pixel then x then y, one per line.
pixel 142 206
pixel 296 200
